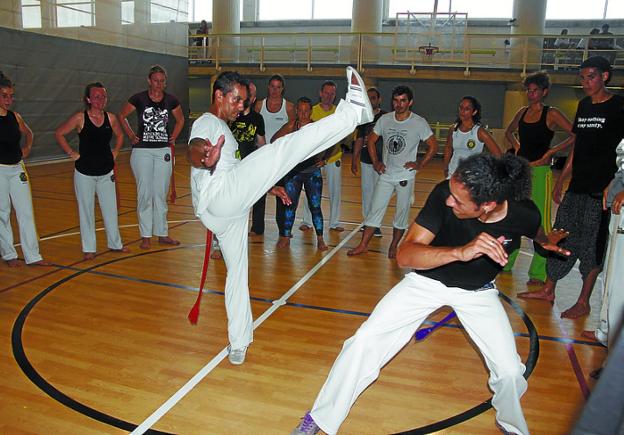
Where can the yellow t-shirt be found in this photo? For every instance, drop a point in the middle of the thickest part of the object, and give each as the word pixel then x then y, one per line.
pixel 319 113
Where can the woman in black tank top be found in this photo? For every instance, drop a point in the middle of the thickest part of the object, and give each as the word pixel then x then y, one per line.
pixel 99 127
pixel 535 125
pixel 15 182
pixel 94 162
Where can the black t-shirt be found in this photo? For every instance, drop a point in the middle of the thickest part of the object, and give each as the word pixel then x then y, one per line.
pixel 153 119
pixel 245 129
pixel 363 131
pixel 523 219
pixel 96 157
pixel 599 129
pixel 10 135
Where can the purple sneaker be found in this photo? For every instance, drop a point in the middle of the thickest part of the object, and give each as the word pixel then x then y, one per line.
pixel 307 426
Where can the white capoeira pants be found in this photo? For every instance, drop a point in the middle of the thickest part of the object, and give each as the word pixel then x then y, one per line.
pixel 369 180
pixel 391 326
pixel 381 197
pixel 332 173
pixel 612 276
pixel 222 202
pixel 86 187
pixel 152 170
pixel 15 189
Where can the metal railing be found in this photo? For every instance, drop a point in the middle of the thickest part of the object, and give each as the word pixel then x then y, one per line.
pixel 413 51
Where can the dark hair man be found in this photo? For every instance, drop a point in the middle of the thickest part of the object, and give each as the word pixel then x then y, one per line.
pixel 457 245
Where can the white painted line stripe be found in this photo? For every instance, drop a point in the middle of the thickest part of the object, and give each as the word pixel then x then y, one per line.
pixel 186 388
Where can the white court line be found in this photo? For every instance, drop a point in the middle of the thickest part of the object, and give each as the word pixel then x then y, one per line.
pixel 186 388
pixel 76 233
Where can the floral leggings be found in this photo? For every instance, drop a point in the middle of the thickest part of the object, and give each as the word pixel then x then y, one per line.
pixel 313 183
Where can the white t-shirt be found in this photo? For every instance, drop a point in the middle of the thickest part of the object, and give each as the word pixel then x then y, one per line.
pixel 465 144
pixel 210 127
pixel 400 143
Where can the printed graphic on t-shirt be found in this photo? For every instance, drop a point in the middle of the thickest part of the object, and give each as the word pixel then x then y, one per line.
pixel 470 144
pixel 244 132
pixel 596 122
pixel 155 124
pixel 396 141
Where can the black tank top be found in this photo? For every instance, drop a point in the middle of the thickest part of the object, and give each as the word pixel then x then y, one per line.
pixel 535 137
pixel 96 157
pixel 10 135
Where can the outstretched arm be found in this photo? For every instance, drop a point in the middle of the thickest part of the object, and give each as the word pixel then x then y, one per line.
pixel 550 241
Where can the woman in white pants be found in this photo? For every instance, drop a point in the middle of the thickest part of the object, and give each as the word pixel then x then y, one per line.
pixel 14 183
pixel 94 167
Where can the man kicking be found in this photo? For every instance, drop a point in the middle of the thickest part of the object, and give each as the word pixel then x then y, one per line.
pixel 458 244
pixel 224 188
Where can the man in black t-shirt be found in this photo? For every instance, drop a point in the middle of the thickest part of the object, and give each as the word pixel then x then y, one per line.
pixel 599 127
pixel 248 130
pixel 460 241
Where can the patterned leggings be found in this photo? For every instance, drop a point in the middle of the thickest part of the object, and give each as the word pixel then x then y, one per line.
pixel 581 214
pixel 313 183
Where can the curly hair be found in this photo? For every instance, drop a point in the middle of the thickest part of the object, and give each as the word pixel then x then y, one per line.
pixel 497 179
pixel 539 79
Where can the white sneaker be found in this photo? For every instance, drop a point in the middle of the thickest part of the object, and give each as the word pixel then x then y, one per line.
pixel 237 356
pixel 357 95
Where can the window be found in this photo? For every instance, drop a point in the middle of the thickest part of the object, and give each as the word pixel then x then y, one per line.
pixel 127 11
pixel 475 9
pixel 615 10
pixel 304 9
pixel 332 9
pixel 164 11
pixel 202 10
pixel 74 13
pixel 31 14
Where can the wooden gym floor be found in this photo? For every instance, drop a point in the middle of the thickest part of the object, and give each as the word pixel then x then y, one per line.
pixel 104 346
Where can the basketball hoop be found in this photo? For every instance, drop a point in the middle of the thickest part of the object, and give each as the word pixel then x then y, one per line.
pixel 427 52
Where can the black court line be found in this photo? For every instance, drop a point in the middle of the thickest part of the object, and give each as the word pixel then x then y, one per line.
pixel 32 374
pixel 530 364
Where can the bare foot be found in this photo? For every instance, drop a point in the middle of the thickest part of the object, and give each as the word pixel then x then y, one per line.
pixel 123 249
pixel 40 263
pixel 320 244
pixel 359 249
pixel 543 294
pixel 14 262
pixel 535 281
pixel 216 254
pixel 337 229
pixel 304 227
pixel 88 255
pixel 392 251
pixel 145 243
pixel 283 242
pixel 168 241
pixel 589 335
pixel 576 311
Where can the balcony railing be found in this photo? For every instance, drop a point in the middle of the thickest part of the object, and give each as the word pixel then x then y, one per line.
pixel 412 51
